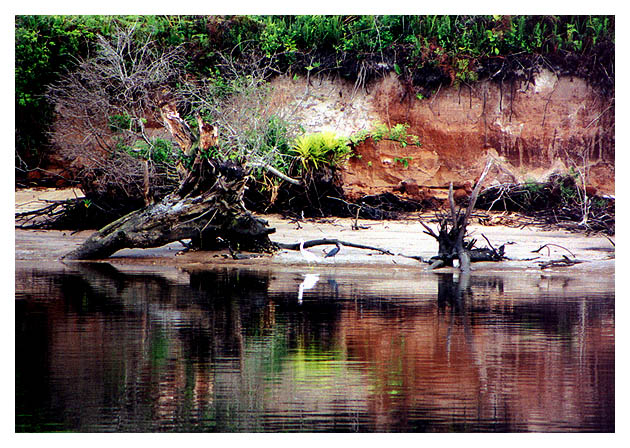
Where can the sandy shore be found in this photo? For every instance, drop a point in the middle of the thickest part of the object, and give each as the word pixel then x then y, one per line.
pixel 404 237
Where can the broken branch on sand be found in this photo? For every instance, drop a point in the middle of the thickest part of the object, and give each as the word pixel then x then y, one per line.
pixel 331 241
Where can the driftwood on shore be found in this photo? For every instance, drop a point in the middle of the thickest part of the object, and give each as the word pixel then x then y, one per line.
pixel 207 207
pixel 331 241
pixel 194 212
pixel 452 230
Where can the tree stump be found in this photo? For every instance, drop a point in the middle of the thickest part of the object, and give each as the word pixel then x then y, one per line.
pixel 452 230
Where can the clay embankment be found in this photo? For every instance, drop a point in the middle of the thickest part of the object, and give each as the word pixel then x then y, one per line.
pixel 548 124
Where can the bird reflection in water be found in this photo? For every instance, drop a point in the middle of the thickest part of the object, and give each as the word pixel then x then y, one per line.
pixel 310 280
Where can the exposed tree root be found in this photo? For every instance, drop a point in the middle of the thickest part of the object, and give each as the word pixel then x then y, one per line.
pixel 207 207
pixel 559 202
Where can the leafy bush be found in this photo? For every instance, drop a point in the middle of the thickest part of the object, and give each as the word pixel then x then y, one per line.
pixel 275 145
pixel 160 151
pixel 119 122
pixel 323 148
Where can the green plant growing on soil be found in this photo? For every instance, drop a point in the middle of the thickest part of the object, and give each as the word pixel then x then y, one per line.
pixel 157 150
pixel 358 137
pixel 404 161
pixel 381 131
pixel 533 191
pixel 322 148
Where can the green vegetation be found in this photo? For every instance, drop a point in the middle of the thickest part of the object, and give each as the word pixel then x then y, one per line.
pixel 277 142
pixel 404 161
pixel 322 148
pixel 158 151
pixel 380 131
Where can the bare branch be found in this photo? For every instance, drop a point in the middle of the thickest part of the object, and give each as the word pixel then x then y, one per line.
pixel 275 172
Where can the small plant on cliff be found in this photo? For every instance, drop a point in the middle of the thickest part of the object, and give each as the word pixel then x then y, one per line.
pixel 404 161
pixel 323 148
pixel 359 137
pixel 380 131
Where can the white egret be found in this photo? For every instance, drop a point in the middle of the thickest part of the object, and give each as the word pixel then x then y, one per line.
pixel 309 281
pixel 307 255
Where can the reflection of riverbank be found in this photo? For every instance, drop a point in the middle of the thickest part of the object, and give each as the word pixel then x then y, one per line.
pixel 233 349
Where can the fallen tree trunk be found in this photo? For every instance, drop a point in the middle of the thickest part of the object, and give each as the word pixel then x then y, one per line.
pixel 208 208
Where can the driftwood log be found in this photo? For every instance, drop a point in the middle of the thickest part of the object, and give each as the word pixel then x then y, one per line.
pixel 203 215
pixel 207 208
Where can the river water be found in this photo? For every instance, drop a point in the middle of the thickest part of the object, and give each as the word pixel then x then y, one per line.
pixel 104 348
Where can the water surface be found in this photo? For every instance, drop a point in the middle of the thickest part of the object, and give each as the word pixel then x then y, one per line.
pixel 101 349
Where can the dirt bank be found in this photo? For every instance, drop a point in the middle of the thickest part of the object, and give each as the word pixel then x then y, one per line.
pixel 538 126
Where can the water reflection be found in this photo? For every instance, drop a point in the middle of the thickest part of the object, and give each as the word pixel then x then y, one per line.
pixel 310 280
pixel 230 349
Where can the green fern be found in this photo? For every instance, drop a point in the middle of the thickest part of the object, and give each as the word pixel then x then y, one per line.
pixel 323 148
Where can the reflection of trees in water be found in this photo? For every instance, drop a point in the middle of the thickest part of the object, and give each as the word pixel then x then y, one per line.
pixel 176 355
pixel 482 360
pixel 208 354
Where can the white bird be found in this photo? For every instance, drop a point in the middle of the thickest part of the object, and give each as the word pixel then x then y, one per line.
pixel 307 255
pixel 309 281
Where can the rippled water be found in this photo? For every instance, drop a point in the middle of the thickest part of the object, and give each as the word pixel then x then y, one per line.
pixel 104 349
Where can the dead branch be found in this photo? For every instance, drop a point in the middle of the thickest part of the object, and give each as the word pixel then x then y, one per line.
pixel 275 172
pixel 464 257
pixel 551 244
pixel 331 241
pixel 564 262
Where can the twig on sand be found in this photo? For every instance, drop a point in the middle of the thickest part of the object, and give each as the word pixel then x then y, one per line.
pixel 331 241
pixel 565 261
pixel 549 251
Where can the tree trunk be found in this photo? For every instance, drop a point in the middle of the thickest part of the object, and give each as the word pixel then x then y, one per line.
pixel 207 206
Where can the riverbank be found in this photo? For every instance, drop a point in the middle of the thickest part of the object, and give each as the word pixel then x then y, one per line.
pixel 404 238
